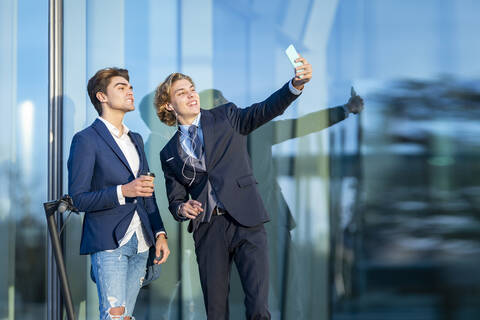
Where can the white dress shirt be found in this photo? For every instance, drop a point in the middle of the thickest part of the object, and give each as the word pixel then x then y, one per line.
pixel 130 152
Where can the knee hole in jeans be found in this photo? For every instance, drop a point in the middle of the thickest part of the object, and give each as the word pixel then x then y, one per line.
pixel 116 312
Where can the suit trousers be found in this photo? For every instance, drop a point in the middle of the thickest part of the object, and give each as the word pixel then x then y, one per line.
pixel 217 244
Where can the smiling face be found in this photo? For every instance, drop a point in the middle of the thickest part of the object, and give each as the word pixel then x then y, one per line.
pixel 184 101
pixel 118 96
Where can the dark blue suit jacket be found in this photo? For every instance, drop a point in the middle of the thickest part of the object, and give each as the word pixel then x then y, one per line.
pixel 96 166
pixel 228 166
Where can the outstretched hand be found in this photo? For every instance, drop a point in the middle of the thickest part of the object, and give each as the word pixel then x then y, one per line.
pixel 303 73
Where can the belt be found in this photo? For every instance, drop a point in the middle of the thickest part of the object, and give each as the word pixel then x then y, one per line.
pixel 217 211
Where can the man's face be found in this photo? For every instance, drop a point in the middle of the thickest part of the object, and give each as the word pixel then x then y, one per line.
pixel 119 95
pixel 184 99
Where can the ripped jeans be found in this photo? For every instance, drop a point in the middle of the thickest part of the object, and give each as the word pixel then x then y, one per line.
pixel 119 274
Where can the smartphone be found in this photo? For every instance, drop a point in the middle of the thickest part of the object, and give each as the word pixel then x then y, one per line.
pixel 292 55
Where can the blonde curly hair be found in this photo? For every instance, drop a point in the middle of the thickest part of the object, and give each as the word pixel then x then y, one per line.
pixel 162 98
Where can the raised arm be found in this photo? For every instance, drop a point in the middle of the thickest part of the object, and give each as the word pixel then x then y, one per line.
pixel 248 119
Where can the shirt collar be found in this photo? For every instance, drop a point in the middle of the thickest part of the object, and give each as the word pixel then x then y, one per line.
pixel 196 122
pixel 114 130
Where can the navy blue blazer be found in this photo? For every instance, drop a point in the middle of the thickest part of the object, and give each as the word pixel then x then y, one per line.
pixel 228 166
pixel 96 166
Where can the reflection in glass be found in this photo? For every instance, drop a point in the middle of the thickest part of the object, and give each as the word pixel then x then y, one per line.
pixel 23 158
pixel 408 245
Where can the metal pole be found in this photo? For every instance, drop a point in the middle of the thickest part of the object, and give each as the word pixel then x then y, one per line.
pixel 62 272
pixel 55 154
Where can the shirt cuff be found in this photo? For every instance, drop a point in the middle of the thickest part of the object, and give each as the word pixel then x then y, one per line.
pixel 121 198
pixel 159 233
pixel 293 90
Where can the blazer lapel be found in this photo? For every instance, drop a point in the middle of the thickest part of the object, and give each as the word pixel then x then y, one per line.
pixel 207 128
pixel 103 132
pixel 174 149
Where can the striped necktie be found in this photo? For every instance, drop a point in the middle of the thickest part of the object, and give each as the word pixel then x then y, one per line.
pixel 197 146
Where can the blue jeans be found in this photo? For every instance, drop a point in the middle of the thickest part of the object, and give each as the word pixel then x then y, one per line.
pixel 119 275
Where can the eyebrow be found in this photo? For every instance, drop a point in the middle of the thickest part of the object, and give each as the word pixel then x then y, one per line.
pixel 180 89
pixel 123 84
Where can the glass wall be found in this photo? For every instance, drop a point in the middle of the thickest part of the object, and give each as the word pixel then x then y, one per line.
pixel 234 51
pixel 375 217
pixel 23 158
pixel 406 241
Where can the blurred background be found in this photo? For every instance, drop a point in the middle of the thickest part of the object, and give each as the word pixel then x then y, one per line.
pixel 373 217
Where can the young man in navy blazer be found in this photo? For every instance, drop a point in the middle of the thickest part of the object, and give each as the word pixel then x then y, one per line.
pixel 207 161
pixel 106 180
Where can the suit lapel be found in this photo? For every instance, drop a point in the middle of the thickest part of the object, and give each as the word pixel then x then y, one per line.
pixel 103 132
pixel 174 149
pixel 207 128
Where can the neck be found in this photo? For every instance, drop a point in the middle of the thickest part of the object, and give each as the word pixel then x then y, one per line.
pixel 186 121
pixel 115 117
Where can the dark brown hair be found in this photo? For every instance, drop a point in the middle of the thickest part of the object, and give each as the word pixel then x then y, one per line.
pixel 100 81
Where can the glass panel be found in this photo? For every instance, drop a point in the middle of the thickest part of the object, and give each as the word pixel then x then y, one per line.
pixel 23 158
pixel 234 50
pixel 376 217
pixel 405 213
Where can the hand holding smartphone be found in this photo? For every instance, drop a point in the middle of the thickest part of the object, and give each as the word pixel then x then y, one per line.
pixel 293 55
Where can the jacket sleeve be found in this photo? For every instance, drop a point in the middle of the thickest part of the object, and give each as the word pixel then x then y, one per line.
pixel 81 164
pixel 176 192
pixel 245 120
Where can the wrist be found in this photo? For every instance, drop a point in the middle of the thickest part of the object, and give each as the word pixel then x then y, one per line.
pixel 180 210
pixel 162 236
pixel 296 85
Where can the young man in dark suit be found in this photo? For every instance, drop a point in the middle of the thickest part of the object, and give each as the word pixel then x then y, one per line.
pixel 207 160
pixel 106 180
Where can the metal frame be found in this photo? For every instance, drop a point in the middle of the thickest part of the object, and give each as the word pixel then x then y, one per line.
pixel 52 207
pixel 55 151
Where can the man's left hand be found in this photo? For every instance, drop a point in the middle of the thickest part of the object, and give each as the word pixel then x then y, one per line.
pixel 303 73
pixel 161 249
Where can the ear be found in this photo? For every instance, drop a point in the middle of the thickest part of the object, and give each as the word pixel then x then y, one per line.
pixel 169 107
pixel 102 97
